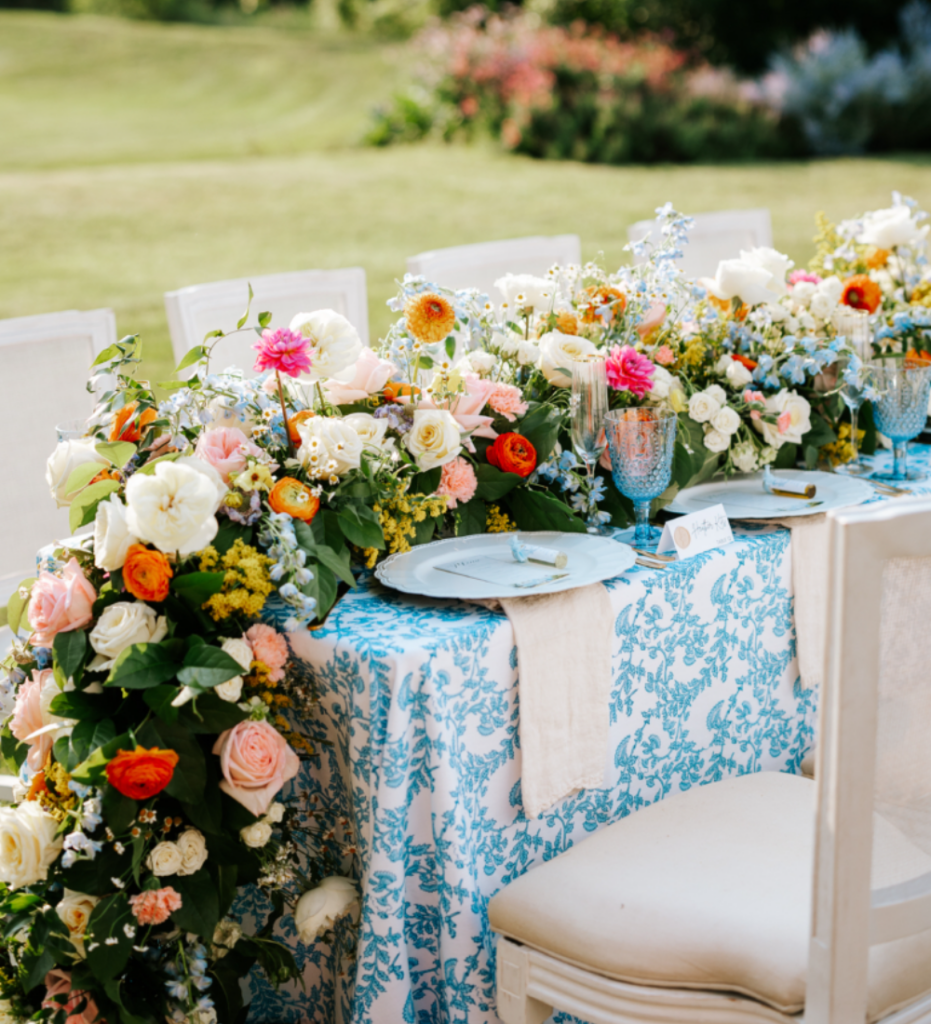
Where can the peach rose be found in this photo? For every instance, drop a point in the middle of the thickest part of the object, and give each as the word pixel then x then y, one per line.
pixel 371 375
pixel 507 401
pixel 256 762
pixel 225 448
pixel 60 603
pixel 58 983
pixel 27 719
pixel 652 319
pixel 457 482
pixel 269 647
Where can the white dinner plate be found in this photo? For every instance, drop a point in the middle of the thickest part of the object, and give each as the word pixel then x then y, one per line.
pixel 591 560
pixel 743 496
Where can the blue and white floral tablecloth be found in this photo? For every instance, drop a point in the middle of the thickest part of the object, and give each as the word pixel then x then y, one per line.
pixel 420 704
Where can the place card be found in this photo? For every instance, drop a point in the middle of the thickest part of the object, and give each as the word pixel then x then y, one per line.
pixel 507 573
pixel 697 532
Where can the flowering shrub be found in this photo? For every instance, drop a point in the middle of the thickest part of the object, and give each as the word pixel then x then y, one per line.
pixel 556 92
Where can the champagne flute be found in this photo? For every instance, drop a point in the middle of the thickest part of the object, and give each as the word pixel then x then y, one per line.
pixel 588 405
pixel 854 326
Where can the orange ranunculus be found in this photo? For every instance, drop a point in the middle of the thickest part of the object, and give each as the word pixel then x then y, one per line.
pixel 295 421
pixel 727 308
pixel 125 427
pixel 512 453
pixel 914 356
pixel 394 389
pixel 140 773
pixel 877 258
pixel 597 297
pixel 751 364
pixel 294 498
pixel 862 292
pixel 106 474
pixel 146 573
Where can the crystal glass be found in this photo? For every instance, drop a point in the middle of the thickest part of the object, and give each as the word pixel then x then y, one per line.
pixel 641 442
pixel 588 405
pixel 902 408
pixel 854 326
pixel 71 430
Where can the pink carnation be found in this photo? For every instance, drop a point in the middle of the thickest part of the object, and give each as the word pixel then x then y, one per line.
pixel 784 422
pixel 155 906
pixel 507 401
pixel 59 604
pixel 256 762
pixel 629 371
pixel 458 481
pixel 803 275
pixel 664 355
pixel 225 448
pixel 753 396
pixel 269 647
pixel 284 351
pixel 58 983
pixel 27 719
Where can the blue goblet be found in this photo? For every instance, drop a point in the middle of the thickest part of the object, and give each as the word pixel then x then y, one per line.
pixel 641 442
pixel 901 411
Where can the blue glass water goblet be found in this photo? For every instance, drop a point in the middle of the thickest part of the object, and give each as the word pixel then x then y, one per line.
pixel 901 411
pixel 641 443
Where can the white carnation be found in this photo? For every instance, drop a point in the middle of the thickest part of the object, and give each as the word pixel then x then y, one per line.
pixel 773 261
pixel 888 228
pixel 744 457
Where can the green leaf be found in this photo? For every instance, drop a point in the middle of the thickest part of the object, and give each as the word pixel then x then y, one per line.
pixel 424 530
pixel 361 527
pixel 159 700
pixel 264 319
pixel 200 906
pixel 117 453
pixel 110 352
pixel 82 476
pixel 84 504
pixel 17 605
pixel 69 650
pixel 471 518
pixel 190 774
pixel 94 876
pixel 426 482
pixel 90 707
pixel 149 468
pixel 786 457
pixel 423 363
pixel 241 322
pixel 206 666
pixel 142 666
pixel 536 510
pixel 492 483
pixel 106 922
pixel 451 346
pixel 681 465
pixel 197 587
pixel 337 562
pixel 192 356
pixel 541 428
pixel 323 588
pixel 37 963
pixel 93 768
pixel 119 811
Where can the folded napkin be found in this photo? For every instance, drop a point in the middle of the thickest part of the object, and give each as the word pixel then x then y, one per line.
pixel 564 644
pixel 810 587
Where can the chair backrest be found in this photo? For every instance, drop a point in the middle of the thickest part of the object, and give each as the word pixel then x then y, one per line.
pixel 715 237
pixel 201 308
pixel 873 751
pixel 480 265
pixel 45 363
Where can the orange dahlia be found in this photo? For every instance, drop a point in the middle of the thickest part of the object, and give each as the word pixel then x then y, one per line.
pixel 430 317
pixel 597 297
pixel 862 292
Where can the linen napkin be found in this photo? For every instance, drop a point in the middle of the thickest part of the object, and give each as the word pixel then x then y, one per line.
pixel 810 587
pixel 564 644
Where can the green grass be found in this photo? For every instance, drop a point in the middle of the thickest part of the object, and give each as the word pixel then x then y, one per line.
pixel 139 158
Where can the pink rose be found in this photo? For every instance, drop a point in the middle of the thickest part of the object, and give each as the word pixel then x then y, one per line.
pixel 457 482
pixel 507 401
pixel 466 408
pixel 225 448
pixel 58 983
pixel 629 371
pixel 269 647
pixel 371 375
pixel 27 719
pixel 653 318
pixel 256 762
pixel 60 604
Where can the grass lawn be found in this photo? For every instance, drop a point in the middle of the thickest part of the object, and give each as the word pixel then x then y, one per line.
pixel 143 157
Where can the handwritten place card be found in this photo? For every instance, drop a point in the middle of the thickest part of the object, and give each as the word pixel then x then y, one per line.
pixel 505 572
pixel 697 532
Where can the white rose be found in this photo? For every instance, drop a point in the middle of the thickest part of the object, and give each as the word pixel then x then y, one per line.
pixel 28 844
pixel 480 362
pixel 193 850
pixel 738 376
pixel 75 909
pixel 702 407
pixel 663 382
pixel 558 352
pixel 225 936
pixel 528 352
pixel 120 626
pixel 256 835
pixel 335 344
pixel 716 393
pixel 64 460
pixel 165 859
pixel 523 290
pixel 888 228
pixel 231 690
pixel 329 446
pixel 369 429
pixel 795 426
pixel 826 297
pixel 720 367
pixel 770 260
pixel 749 282
pixel 318 909
pixel 803 292
pixel 174 507
pixel 792 324
pixel 239 649
pixel 112 538
pixel 807 322
pixel 715 441
pixel 744 457
pixel 777 312
pixel 726 422
pixel 434 438
pixel 275 813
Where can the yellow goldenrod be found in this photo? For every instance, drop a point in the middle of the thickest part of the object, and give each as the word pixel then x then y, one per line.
pixel 246 583
pixel 497 521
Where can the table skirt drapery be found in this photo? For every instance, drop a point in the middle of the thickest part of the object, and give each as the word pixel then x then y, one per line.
pixel 419 700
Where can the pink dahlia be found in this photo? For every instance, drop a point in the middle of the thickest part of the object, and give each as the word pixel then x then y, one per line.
pixel 284 351
pixel 798 276
pixel 506 400
pixel 629 371
pixel 155 906
pixel 457 482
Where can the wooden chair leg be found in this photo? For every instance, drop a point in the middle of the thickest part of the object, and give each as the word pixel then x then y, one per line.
pixel 514 1005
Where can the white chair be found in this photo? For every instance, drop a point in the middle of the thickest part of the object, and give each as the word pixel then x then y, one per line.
pixel 715 237
pixel 699 908
pixel 195 311
pixel 45 362
pixel 479 266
